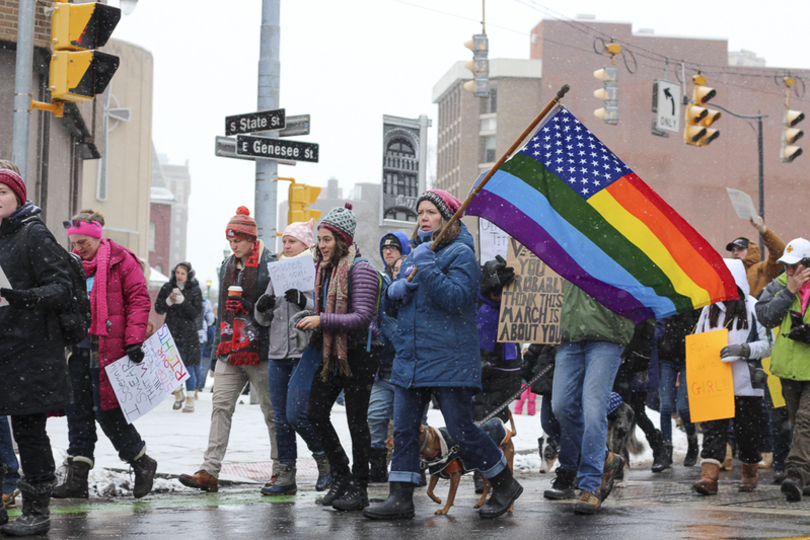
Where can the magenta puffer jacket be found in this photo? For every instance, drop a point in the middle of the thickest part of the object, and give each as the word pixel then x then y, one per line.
pixel 128 306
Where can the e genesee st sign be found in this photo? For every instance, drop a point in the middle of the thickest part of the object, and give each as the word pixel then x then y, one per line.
pixel 263 147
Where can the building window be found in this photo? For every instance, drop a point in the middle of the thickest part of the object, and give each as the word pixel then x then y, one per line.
pixel 489 105
pixel 487 149
pixel 489 123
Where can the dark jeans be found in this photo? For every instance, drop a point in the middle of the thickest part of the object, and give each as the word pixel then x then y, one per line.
pixel 85 410
pixel 673 397
pixel 748 421
pixel 36 456
pixel 778 426
pixel 357 389
pixel 8 457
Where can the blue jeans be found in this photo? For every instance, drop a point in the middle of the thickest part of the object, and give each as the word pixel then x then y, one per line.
pixel 7 456
pixel 380 409
pixel 86 409
pixel 278 375
pixel 205 366
pixel 548 421
pixel 481 451
pixel 583 378
pixel 193 377
pixel 666 393
pixel 298 390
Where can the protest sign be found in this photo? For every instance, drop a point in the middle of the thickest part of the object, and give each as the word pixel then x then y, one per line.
pixel 140 387
pixel 296 273
pixel 710 384
pixel 531 304
pixel 492 240
pixel 742 203
pixel 4 284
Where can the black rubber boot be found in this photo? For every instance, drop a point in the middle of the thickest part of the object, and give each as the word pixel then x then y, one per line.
pixel 398 505
pixel 144 468
pixel 505 489
pixel 75 484
pixel 339 486
pixel 3 511
pixel 378 462
pixel 691 452
pixel 355 498
pixel 36 515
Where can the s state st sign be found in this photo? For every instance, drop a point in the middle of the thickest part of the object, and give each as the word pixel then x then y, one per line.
pixel 255 122
pixel 264 147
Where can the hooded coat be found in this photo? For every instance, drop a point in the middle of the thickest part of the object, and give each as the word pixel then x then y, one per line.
pixel 182 318
pixel 33 370
pixel 759 272
pixel 437 338
pixel 403 241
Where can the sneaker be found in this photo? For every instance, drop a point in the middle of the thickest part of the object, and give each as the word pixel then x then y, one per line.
pixel 614 467
pixel 588 503
pixel 792 485
pixel 563 486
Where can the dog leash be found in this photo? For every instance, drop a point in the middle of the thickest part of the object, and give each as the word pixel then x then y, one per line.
pixel 514 396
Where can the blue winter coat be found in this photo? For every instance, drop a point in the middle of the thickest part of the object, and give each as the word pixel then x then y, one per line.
pixel 437 339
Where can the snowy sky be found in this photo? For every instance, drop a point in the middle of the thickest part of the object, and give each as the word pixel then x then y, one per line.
pixel 348 63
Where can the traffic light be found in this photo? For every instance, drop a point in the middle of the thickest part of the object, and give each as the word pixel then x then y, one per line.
pixel 788 151
pixel 609 75
pixel 479 65
pixel 300 196
pixel 698 130
pixel 78 72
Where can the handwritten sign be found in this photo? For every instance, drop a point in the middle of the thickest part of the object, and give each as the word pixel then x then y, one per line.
pixel 531 304
pixel 141 387
pixel 742 203
pixel 492 240
pixel 711 387
pixel 296 273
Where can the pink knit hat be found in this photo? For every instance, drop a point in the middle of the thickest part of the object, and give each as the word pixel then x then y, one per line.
pixel 15 182
pixel 444 202
pixel 300 230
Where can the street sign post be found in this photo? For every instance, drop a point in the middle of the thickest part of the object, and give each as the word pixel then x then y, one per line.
pixel 255 122
pixel 226 147
pixel 667 105
pixel 264 147
pixel 296 126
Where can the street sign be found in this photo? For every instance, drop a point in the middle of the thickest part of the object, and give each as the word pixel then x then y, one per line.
pixel 255 122
pixel 226 147
pixel 264 147
pixel 296 126
pixel 667 105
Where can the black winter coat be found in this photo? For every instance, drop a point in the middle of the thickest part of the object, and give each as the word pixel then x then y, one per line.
pixel 33 369
pixel 182 318
pixel 535 360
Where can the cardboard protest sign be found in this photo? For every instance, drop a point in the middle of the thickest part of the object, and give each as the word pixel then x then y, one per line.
pixel 296 273
pixel 710 384
pixel 141 387
pixel 492 240
pixel 531 304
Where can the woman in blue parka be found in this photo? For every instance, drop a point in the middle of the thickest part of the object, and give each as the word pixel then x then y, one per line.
pixel 437 354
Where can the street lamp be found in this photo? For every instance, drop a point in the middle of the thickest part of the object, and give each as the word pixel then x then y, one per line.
pixel 208 294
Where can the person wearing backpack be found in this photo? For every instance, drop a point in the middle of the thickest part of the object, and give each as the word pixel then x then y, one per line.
pixel 343 352
pixel 120 312
pixel 32 352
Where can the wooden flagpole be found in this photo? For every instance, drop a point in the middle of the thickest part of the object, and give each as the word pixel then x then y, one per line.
pixel 554 101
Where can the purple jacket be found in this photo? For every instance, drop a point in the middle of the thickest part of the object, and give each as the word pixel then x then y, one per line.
pixel 362 303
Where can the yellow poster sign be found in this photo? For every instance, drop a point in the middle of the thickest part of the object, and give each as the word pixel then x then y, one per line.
pixel 711 387
pixel 774 384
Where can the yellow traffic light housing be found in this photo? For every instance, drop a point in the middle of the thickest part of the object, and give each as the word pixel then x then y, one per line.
pixel 697 131
pixel 790 134
pixel 479 66
pixel 609 93
pixel 300 196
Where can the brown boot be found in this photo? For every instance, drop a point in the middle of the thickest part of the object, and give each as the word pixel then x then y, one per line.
pixel 750 477
pixel 709 474
pixel 200 480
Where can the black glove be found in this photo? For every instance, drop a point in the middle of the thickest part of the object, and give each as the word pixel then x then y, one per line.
pixel 496 275
pixel 135 352
pixel 20 299
pixel 638 351
pixel 294 296
pixel 799 332
pixel 266 303
pixel 239 305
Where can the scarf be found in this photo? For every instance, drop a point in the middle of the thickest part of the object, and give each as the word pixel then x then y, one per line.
pixel 100 267
pixel 335 345
pixel 239 334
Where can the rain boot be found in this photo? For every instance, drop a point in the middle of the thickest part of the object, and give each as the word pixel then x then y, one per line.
pixel 691 452
pixel 709 475
pixel 284 484
pixel 324 472
pixel 505 489
pixel 398 505
pixel 144 468
pixel 3 511
pixel 36 514
pixel 750 477
pixel 75 485
pixel 378 461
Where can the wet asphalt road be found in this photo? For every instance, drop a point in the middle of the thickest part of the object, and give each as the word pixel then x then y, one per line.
pixel 651 507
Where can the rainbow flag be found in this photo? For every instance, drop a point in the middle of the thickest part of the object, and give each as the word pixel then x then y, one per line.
pixel 578 207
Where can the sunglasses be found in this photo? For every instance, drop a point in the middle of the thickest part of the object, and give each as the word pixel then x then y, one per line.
pixel 76 223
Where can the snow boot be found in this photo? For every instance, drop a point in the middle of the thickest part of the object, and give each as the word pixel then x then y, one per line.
pixel 613 468
pixel 505 489
pixel 75 485
pixel 144 468
pixel 478 480
pixel 36 514
pixel 284 484
pixel 340 485
pixel 398 505
pixel 179 397
pixel 692 452
pixel 563 486
pixel 355 498
pixel 3 511
pixel 324 472
pixel 189 406
pixel 659 449
pixel 378 460
pixel 792 485
pixel 709 475
pixel 750 477
pixel 588 503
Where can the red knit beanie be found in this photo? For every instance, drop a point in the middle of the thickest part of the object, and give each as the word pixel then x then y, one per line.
pixel 242 225
pixel 15 182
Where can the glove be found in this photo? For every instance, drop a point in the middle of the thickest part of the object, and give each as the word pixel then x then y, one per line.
pixel 20 298
pixel 496 275
pixel 730 352
pixel 402 290
pixel 294 296
pixel 135 352
pixel 799 332
pixel 239 305
pixel 423 256
pixel 265 303
pixel 424 236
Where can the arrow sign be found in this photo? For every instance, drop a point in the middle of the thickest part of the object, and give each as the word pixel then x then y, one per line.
pixel 667 105
pixel 264 147
pixel 255 122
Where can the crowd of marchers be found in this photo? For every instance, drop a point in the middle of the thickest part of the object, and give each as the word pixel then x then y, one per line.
pixel 389 343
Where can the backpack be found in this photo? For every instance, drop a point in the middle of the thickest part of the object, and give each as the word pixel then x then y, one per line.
pixel 76 318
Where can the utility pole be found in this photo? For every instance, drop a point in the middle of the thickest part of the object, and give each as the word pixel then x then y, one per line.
pixel 24 68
